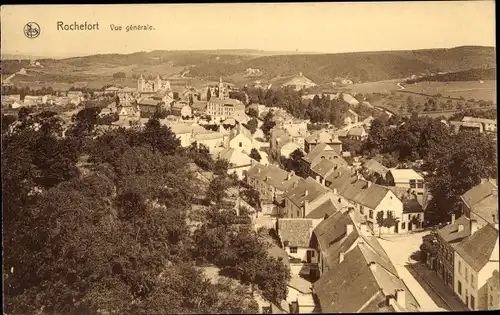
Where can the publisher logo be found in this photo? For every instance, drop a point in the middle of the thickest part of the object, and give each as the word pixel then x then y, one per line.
pixel 32 30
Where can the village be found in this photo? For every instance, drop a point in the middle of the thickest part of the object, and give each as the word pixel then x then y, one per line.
pixel 341 222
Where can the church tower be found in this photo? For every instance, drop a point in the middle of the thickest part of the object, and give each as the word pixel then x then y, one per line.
pixel 157 84
pixel 222 90
pixel 141 84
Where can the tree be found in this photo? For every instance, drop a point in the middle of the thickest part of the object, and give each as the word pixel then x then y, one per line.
pixel 84 122
pixel 387 222
pixel 209 94
pixel 252 125
pixel 252 112
pixel 295 163
pixel 160 138
pixel 268 123
pixel 252 197
pixel 221 167
pixel 254 154
pixel 7 120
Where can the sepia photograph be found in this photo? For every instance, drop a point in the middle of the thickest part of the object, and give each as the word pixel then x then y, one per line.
pixel 249 158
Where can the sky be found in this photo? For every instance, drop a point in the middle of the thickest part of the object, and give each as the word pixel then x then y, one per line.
pixel 306 27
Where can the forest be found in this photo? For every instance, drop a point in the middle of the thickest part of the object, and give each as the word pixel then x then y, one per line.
pixel 103 224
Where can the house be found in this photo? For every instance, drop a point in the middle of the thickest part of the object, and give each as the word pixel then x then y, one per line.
pixel 158 84
pixel 406 178
pixel 148 106
pixel 288 149
pixel 238 161
pixel 349 99
pixel 488 125
pixel 295 236
pixel 182 109
pixel 357 133
pixel 367 122
pixel 305 196
pixel 466 125
pixel 212 140
pixel 299 82
pixel 357 275
pixel 374 171
pixel 300 295
pixel 241 142
pixel 493 292
pixel 443 260
pixel 322 136
pixel 351 118
pixel 476 257
pixel 323 151
pixel 185 133
pixel 220 109
pixel 413 215
pixel 270 181
pixel 480 203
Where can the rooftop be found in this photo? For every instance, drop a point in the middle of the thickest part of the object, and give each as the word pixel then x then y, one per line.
pixel 297 232
pixel 404 175
pixel 479 248
pixel 273 176
pixel 306 190
pixel 455 231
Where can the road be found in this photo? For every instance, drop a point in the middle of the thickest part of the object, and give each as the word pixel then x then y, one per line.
pixel 399 249
pixel 400 86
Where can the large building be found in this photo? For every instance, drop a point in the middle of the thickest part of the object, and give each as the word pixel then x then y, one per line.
pixel 219 109
pixel 299 82
pixel 152 85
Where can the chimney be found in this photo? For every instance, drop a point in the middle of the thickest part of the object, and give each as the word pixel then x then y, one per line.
pixel 295 184
pixel 368 184
pixel 460 227
pixel 300 74
pixel 341 257
pixel 306 193
pixel 335 167
pixel 452 218
pixel 349 229
pixel 401 297
pixel 335 191
pixel 473 226
pixel 373 266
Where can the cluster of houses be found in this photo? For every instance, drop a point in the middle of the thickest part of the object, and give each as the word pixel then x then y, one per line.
pixel 465 252
pixel 15 101
pixel 327 225
pixel 477 124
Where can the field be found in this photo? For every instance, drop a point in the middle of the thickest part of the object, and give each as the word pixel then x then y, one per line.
pixel 373 87
pixel 467 89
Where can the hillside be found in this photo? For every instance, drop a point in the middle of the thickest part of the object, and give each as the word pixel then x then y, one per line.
pixel 466 75
pixel 321 68
pixel 364 66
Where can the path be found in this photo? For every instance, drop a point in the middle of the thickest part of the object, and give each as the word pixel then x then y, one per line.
pixel 400 86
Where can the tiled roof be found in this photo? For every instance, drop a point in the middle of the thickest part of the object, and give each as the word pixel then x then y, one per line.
pixel 324 167
pixel 450 233
pixel 235 157
pixel 412 205
pixel 483 200
pixel 273 176
pixel 322 136
pixel 297 232
pixel 479 120
pixel 347 287
pixel 363 192
pixel 338 178
pixel 375 166
pixel 208 136
pixel 332 238
pixel 183 129
pixel 477 249
pixel 357 131
pixel 323 149
pixel 328 207
pixel 298 194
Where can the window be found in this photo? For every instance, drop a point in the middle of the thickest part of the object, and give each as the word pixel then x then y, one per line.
pixel 459 288
pixel 472 302
pixel 491 300
pixel 413 183
pixel 472 280
pixel 298 213
pixel 312 253
pixel 240 144
pixel 361 210
pixel 459 267
pixel 370 214
pixel 403 225
pixel 466 275
pixel 420 184
pixel 293 250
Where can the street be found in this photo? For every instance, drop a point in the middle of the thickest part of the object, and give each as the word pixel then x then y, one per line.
pixel 399 250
